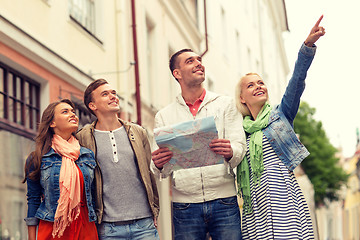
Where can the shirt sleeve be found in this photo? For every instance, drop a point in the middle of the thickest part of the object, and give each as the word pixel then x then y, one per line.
pixel 164 172
pixel 291 99
pixel 34 193
pixel 234 131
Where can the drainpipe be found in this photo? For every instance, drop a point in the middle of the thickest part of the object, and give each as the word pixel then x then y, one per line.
pixel 136 59
pixel 206 33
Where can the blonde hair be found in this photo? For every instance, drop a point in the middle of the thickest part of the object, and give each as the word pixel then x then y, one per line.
pixel 243 109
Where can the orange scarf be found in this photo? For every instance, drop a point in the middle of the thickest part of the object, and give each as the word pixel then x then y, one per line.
pixel 68 208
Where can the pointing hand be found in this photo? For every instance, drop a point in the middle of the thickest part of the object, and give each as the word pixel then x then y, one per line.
pixel 315 33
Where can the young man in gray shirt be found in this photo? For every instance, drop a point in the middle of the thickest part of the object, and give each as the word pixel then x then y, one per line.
pixel 127 202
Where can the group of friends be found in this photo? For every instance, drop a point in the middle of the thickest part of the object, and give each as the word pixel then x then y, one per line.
pixel 99 182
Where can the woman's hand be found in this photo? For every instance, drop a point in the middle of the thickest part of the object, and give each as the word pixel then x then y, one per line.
pixel 32 232
pixel 315 33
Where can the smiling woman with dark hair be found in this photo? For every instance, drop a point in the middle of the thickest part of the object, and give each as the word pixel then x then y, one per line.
pixel 274 206
pixel 59 176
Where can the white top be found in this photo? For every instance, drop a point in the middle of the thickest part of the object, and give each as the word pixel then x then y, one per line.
pixel 202 184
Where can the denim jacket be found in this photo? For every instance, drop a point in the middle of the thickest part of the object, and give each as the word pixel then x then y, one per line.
pixel 43 194
pixel 280 131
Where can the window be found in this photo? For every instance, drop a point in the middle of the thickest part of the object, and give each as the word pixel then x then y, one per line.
pixel 83 12
pixel 249 60
pixel 47 1
pixel 210 84
pixel 85 117
pixel 224 33
pixel 191 7
pixel 81 111
pixel 19 102
pixel 238 52
pixel 174 87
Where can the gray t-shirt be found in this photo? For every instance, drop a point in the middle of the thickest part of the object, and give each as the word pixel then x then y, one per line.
pixel 124 194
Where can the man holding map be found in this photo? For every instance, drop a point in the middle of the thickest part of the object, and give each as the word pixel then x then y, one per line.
pixel 204 196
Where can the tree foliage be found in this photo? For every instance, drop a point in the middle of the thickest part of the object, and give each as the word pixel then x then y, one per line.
pixel 321 166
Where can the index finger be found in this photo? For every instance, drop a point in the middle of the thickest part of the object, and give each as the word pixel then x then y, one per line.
pixel 318 21
pixel 159 150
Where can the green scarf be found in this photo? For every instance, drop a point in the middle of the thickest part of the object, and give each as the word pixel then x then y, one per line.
pixel 256 154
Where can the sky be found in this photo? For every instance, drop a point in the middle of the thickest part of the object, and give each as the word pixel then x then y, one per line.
pixel 332 83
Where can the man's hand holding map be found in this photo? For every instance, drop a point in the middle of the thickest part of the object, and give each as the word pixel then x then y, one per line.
pixel 189 142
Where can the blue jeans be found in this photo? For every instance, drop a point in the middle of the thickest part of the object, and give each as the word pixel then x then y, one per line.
pixel 220 218
pixel 142 229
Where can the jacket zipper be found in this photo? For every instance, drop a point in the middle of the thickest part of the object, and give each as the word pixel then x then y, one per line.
pixel 201 174
pixel 202 184
pixel 194 117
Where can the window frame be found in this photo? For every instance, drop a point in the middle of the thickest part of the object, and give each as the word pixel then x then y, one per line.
pixel 81 21
pixel 14 117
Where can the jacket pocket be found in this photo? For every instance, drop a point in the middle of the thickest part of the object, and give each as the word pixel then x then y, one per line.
pixel 47 179
pixel 180 206
pixel 217 176
pixel 45 170
pixel 187 181
pixel 229 201
pixel 89 168
pixel 273 118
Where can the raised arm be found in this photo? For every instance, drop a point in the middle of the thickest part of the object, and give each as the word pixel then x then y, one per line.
pixel 291 99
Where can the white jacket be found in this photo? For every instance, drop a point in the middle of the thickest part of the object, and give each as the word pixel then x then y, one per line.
pixel 202 184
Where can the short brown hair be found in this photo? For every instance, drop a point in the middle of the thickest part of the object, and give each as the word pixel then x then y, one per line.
pixel 88 92
pixel 173 63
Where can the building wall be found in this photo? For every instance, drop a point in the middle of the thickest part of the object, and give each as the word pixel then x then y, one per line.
pixel 34 42
pixel 330 221
pixel 39 39
pixel 13 152
pixel 243 36
pixel 53 85
pixel 253 44
pixel 309 195
pixel 352 200
pixel 163 27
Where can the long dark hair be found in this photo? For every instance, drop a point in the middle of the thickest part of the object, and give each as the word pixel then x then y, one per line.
pixel 43 140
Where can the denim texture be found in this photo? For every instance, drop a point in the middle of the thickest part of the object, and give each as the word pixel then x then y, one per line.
pixel 43 195
pixel 142 229
pixel 220 217
pixel 280 131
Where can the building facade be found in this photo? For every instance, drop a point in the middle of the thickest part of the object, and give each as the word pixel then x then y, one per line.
pixel 53 49
pixel 351 206
pixel 309 195
pixel 44 57
pixel 330 215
